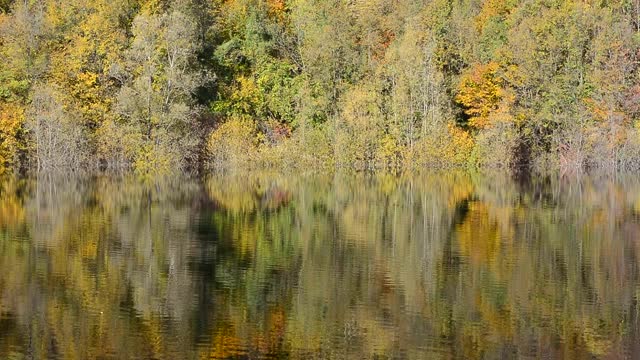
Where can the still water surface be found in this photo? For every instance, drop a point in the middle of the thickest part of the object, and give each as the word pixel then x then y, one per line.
pixel 437 266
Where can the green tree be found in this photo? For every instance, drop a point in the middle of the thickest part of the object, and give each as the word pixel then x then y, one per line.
pixel 159 85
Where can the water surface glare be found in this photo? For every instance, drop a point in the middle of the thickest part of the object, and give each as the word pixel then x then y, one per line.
pixel 267 266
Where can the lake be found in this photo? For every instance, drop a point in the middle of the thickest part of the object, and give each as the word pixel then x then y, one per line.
pixel 433 266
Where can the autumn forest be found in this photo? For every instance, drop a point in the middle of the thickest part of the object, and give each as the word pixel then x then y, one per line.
pixel 158 86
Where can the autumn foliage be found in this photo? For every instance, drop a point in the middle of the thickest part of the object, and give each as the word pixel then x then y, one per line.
pixel 480 93
pixel 11 122
pixel 171 85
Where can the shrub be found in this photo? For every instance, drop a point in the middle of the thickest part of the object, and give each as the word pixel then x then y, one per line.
pixel 358 130
pixel 448 146
pixel 233 144
pixel 59 142
pixel 495 147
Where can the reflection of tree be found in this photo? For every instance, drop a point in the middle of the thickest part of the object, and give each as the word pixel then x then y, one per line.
pixel 343 266
pixel 548 258
pixel 95 250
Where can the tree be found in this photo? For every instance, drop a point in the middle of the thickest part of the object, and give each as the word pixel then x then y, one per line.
pixel 22 50
pixel 58 143
pixel 11 135
pixel 480 92
pixel 83 62
pixel 160 81
pixel 5 6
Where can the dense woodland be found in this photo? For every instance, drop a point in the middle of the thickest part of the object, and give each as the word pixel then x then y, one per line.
pixel 161 85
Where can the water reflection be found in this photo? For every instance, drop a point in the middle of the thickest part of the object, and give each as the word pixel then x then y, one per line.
pixel 443 265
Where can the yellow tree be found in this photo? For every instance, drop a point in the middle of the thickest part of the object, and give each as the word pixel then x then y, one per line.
pixel 82 66
pixel 480 92
pixel 11 121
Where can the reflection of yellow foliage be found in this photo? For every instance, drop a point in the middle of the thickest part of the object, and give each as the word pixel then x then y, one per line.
pixel 224 345
pixel 237 194
pixel 267 343
pixel 596 343
pixel 479 235
pixel 502 294
pixel 496 318
pixel 12 211
pixel 461 188
pixel 245 194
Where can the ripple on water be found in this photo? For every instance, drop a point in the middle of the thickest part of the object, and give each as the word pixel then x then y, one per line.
pixel 278 267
